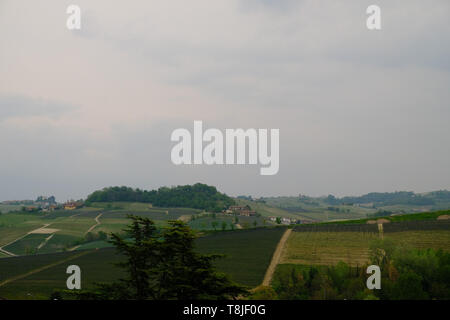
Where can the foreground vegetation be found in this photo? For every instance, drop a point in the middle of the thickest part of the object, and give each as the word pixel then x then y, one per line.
pixel 406 274
pixel 328 248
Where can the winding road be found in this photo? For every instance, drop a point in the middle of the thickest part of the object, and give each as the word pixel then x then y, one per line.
pixel 97 223
pixel 276 258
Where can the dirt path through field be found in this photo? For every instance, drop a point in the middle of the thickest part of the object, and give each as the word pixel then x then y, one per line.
pixel 21 237
pixel 276 258
pixel 185 218
pixel 43 243
pixel 97 223
pixel 7 252
pixel 43 268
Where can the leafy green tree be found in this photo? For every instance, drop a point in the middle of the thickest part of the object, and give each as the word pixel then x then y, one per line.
pixel 102 235
pixel 409 287
pixel 264 293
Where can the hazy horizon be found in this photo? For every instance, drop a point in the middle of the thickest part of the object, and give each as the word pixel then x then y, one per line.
pixel 358 111
pixel 232 195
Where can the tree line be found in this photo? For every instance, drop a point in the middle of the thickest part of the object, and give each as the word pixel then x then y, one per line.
pixel 197 196
pixel 393 198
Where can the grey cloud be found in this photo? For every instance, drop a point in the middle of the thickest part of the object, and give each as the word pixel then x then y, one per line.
pixel 278 5
pixel 357 111
pixel 22 106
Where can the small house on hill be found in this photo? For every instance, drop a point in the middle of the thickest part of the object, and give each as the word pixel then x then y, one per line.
pixel 72 205
pixel 241 210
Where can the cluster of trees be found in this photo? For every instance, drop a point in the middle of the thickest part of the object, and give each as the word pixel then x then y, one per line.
pixel 89 237
pixel 380 213
pixel 161 264
pixel 441 195
pixel 406 274
pixel 337 209
pixel 197 196
pixel 411 274
pixel 328 283
pixel 249 198
pixel 392 198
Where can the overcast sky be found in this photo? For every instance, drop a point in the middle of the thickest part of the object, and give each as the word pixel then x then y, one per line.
pixel 358 110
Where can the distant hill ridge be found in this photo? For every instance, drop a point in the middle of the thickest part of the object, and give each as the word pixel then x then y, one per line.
pixel 395 198
pixel 197 196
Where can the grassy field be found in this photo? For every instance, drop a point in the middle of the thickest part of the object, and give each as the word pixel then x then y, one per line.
pixel 266 210
pixel 15 266
pixel 248 253
pixel 15 225
pixel 58 243
pixel 316 209
pixel 292 207
pixel 95 245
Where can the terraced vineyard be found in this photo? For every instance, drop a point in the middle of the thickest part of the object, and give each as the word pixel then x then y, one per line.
pixel 327 248
pixel 328 244
pixel 396 226
pixel 248 252
pixel 70 228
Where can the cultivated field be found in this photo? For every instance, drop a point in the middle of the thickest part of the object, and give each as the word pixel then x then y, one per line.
pixel 248 254
pixel 68 229
pixel 309 247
